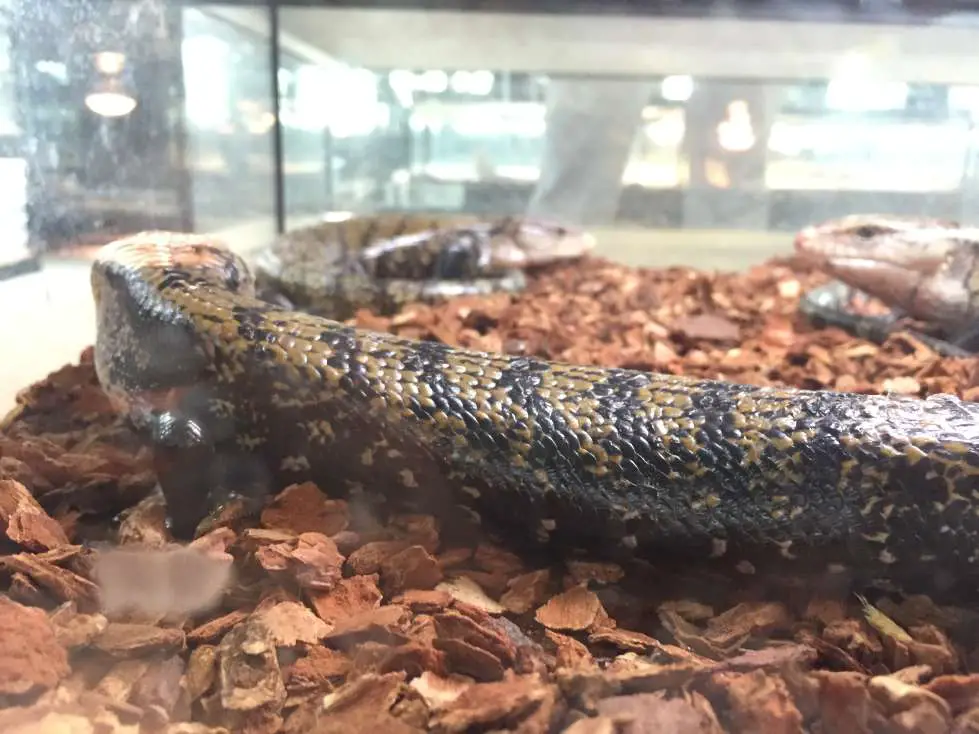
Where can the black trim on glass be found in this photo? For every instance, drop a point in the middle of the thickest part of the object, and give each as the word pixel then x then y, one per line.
pixel 895 12
pixel 275 60
pixel 184 182
pixel 29 264
pixel 899 12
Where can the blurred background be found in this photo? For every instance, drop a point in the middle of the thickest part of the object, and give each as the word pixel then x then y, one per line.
pixel 679 132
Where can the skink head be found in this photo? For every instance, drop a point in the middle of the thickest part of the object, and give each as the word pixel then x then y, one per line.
pixel 197 258
pixel 521 243
pixel 145 287
pixel 915 243
pixel 912 263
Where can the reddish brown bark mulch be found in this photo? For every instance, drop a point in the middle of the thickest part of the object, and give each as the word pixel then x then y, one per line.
pixel 318 620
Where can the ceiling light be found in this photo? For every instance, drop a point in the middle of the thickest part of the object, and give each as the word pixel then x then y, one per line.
pixel 110 62
pixel 110 99
pixel 677 88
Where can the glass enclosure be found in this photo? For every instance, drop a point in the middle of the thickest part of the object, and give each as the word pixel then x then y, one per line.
pixel 129 115
pixel 414 507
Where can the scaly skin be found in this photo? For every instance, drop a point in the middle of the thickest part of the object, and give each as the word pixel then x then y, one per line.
pixel 383 262
pixel 243 398
pixel 924 268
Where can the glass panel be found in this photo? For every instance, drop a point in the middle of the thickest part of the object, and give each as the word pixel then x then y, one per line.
pixel 119 116
pixel 229 115
pixel 97 104
pixel 142 115
pixel 457 112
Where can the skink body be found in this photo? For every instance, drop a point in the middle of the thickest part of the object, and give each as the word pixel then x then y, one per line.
pixel 241 398
pixel 383 262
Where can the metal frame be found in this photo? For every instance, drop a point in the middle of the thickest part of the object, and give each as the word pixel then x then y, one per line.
pixel 896 12
pixel 841 11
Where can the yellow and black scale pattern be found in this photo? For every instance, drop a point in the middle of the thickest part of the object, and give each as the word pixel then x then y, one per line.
pixel 385 261
pixel 241 398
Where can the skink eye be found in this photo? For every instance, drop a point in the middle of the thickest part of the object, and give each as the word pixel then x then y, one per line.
pixel 867 231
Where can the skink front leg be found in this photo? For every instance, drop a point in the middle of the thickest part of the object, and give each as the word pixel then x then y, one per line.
pixel 200 465
pixel 182 459
pixel 826 307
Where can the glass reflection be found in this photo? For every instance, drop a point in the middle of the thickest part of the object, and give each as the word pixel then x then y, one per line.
pixel 139 115
pixel 134 114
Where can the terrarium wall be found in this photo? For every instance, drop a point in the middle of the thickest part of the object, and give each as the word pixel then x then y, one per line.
pixel 401 110
pixel 710 141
